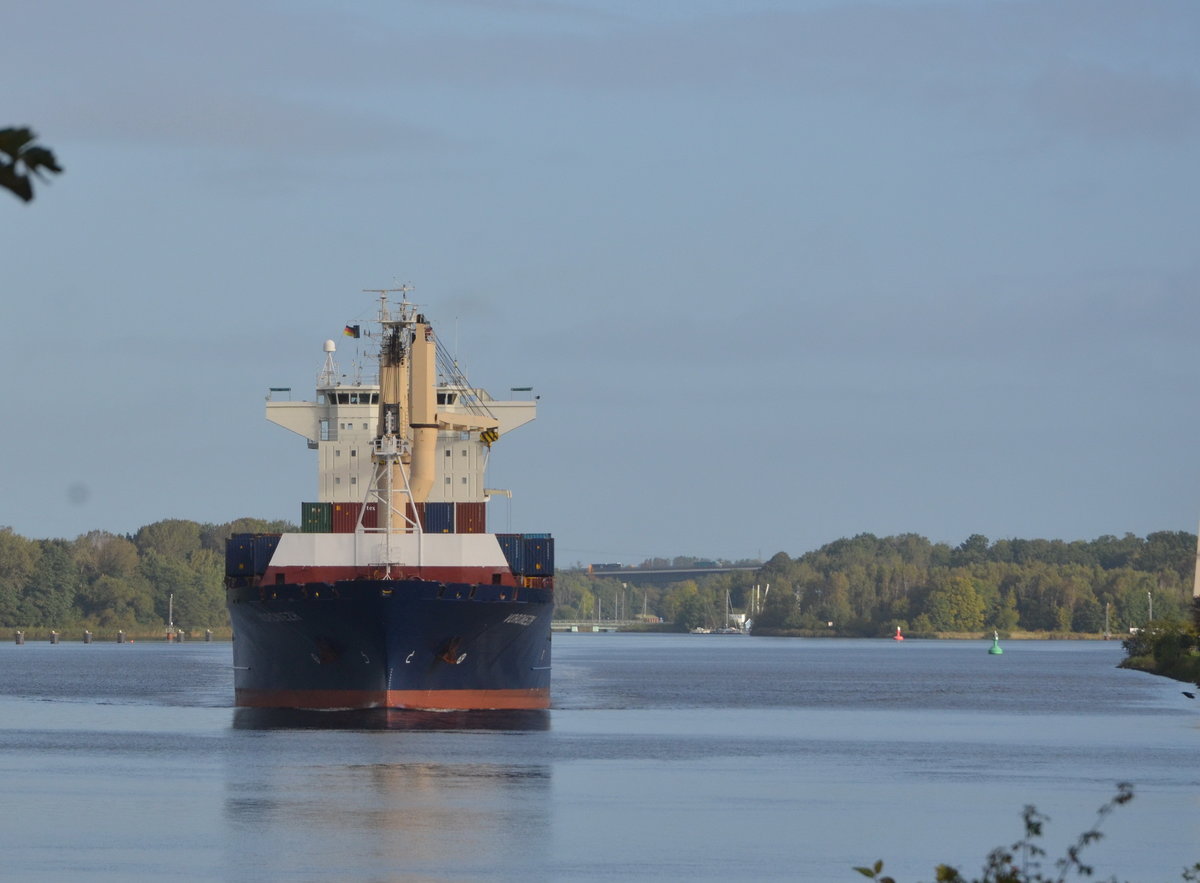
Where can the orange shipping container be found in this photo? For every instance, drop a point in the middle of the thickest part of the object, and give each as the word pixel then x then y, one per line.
pixel 470 517
pixel 345 517
pixel 370 515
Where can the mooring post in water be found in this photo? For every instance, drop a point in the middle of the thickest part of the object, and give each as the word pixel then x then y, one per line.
pixel 208 635
pixel 18 637
pixel 121 636
pixel 87 636
pixel 53 637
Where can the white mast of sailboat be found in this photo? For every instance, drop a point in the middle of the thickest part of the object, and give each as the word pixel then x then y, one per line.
pixel 1196 578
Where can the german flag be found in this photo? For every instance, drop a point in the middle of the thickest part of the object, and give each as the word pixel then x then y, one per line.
pixel 351 331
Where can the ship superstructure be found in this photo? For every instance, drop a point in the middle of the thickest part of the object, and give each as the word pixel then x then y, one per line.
pixel 342 424
pixel 393 594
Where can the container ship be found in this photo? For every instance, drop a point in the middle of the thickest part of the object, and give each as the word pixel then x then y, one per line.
pixel 393 594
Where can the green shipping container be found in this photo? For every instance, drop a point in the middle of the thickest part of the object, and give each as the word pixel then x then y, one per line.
pixel 316 517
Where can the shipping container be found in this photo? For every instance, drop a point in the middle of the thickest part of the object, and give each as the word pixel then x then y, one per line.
pixel 239 555
pixel 370 516
pixel 536 536
pixel 248 554
pixel 439 518
pixel 470 517
pixel 264 547
pixel 538 554
pixel 316 517
pixel 511 545
pixel 416 516
pixel 345 517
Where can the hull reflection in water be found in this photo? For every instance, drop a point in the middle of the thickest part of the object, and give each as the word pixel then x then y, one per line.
pixel 389 719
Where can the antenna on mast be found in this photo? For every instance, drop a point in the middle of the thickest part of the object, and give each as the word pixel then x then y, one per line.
pixel 404 289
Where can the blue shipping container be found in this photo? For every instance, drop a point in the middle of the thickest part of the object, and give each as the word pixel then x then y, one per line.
pixel 538 553
pixel 239 555
pixel 264 547
pixel 511 544
pixel 439 518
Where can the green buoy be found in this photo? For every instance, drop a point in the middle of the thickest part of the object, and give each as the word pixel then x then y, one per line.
pixel 996 649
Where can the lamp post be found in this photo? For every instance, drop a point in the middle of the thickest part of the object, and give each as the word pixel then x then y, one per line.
pixel 1150 607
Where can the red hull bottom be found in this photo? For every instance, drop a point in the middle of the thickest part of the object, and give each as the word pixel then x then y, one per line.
pixel 423 700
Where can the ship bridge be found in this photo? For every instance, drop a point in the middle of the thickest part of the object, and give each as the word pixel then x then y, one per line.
pixel 342 423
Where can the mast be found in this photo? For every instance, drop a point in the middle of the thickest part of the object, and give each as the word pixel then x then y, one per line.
pixel 391 449
pixel 422 412
pixel 405 446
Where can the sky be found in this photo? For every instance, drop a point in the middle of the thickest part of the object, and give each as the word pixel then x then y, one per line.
pixel 780 272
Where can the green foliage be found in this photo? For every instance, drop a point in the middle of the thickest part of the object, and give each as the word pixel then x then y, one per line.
pixel 174 538
pixel 1088 616
pixel 53 586
pixel 109 581
pixel 21 160
pixel 18 557
pixel 953 605
pixel 694 612
pixel 1168 647
pixel 864 585
pixel 117 602
pixel 865 582
pixel 1023 861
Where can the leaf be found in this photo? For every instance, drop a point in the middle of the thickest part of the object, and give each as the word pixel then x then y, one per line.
pixel 36 158
pixel 18 184
pixel 12 141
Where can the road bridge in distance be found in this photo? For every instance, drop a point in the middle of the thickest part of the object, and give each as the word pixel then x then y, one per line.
pixel 638 577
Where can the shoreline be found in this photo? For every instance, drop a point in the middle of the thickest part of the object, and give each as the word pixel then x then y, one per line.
pixel 108 635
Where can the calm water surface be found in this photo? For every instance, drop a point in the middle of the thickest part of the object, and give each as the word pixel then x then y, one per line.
pixel 664 758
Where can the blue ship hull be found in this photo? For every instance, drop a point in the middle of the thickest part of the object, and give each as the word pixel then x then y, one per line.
pixel 391 644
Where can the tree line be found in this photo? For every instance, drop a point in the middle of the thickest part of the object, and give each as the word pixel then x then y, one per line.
pixel 106 581
pixel 868 585
pixel 863 585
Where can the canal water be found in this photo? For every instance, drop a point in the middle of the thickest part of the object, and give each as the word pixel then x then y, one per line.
pixel 673 757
